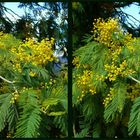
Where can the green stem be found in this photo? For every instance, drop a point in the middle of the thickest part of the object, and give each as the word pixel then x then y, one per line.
pixel 134 79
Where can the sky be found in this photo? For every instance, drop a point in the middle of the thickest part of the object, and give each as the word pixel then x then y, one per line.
pixel 132 10
pixel 14 7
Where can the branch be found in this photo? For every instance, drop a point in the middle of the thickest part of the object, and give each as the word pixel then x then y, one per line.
pixel 11 11
pixel 41 6
pixel 6 80
pixel 8 19
pixel 131 24
pixel 122 4
pixel 134 79
pixel 128 15
pixel 10 14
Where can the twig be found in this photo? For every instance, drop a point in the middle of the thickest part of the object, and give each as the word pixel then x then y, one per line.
pixel 74 131
pixel 6 80
pixel 134 79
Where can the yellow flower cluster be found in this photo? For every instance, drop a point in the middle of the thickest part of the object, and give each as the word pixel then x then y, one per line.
pixel 25 89
pixel 135 91
pixel 16 94
pixel 103 31
pixel 84 82
pixel 130 44
pixel 128 38
pixel 17 66
pixel 46 85
pixel 114 71
pixel 32 74
pixel 37 53
pixel 1 45
pixel 43 109
pixel 7 41
pixel 75 62
pixel 15 97
pixel 114 54
pixel 1 33
pixel 100 78
pixel 2 36
pixel 9 135
pixel 109 97
pixel 4 88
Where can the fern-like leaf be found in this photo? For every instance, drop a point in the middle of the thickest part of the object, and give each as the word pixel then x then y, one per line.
pixel 117 103
pixel 12 117
pixel 61 123
pixel 29 120
pixel 43 73
pixel 76 92
pixel 82 134
pixel 96 130
pixel 90 108
pixel 134 121
pixel 4 108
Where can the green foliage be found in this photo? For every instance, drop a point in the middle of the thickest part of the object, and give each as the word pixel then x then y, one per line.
pixel 106 83
pixel 96 130
pixel 61 123
pixel 117 104
pixel 31 106
pixel 33 101
pixel 134 121
pixel 110 131
pixel 12 117
pixel 29 119
pixel 82 134
pixel 90 108
pixel 40 20
pixel 4 109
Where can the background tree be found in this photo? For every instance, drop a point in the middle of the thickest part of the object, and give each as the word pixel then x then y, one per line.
pixel 106 82
pixel 84 13
pixel 48 19
pixel 27 66
pixel 89 57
